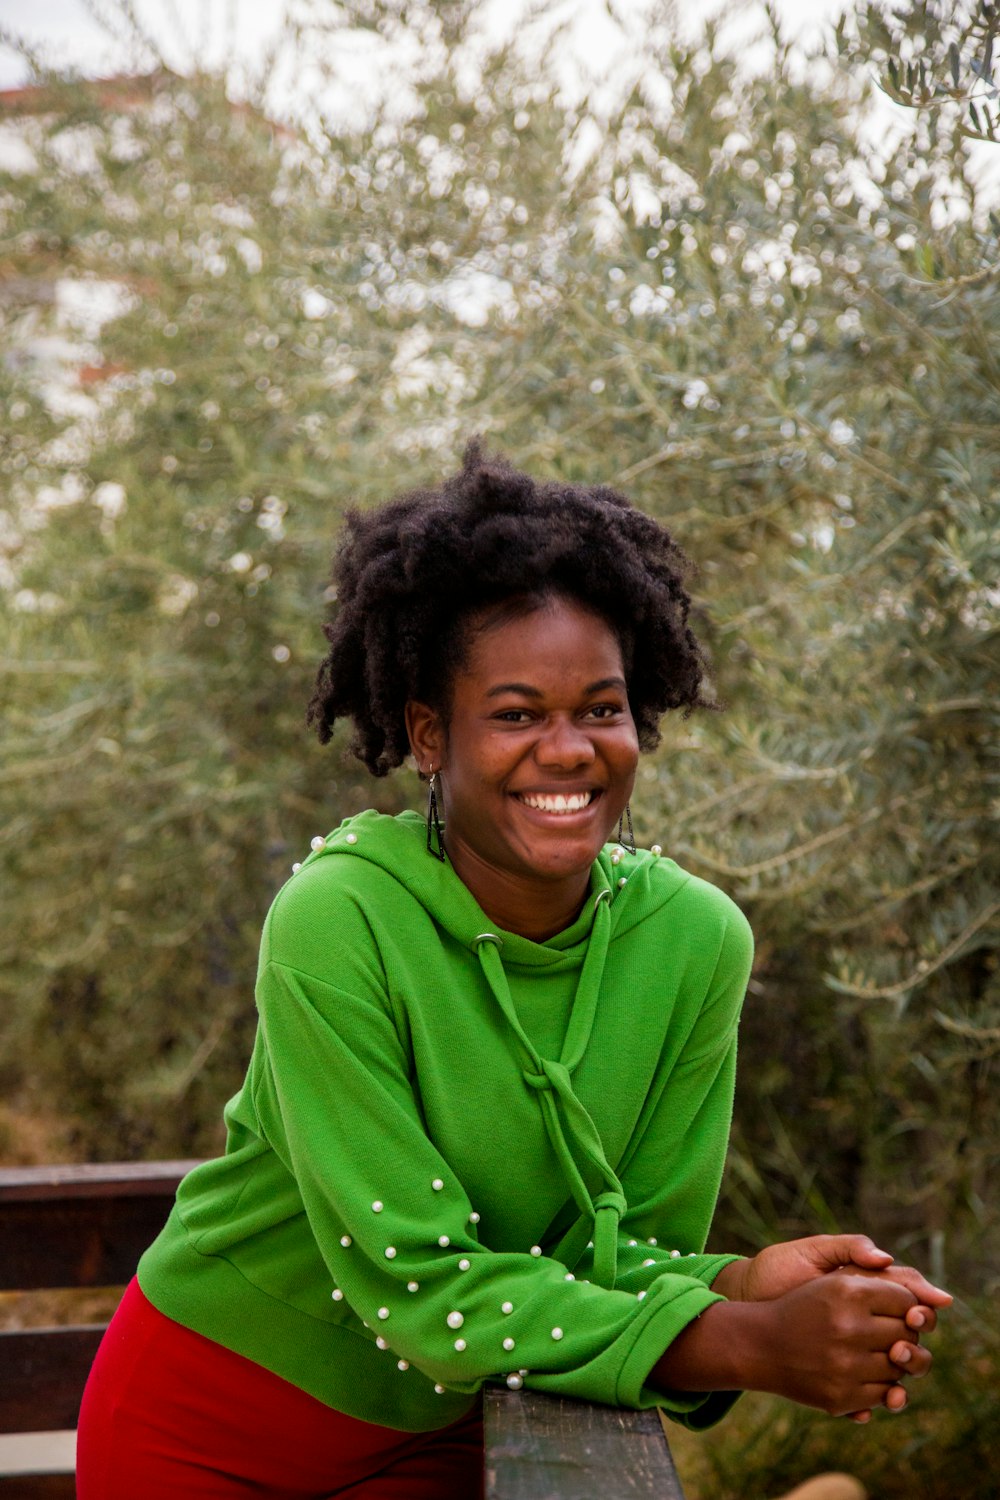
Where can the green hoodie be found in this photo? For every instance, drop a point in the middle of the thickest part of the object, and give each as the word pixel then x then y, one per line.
pixel 460 1155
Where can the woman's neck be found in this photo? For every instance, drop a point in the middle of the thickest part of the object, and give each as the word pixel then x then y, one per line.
pixel 536 910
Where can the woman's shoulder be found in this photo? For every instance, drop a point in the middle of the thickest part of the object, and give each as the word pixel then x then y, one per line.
pixel 655 879
pixel 341 882
pixel 669 896
pixel 704 896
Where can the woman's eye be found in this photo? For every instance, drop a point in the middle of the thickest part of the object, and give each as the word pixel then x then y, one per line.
pixel 527 716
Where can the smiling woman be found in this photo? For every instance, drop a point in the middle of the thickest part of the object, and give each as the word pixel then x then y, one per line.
pixel 484 1123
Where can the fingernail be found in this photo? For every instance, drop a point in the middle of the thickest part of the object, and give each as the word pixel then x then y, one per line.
pixel 903 1357
pixel 917 1320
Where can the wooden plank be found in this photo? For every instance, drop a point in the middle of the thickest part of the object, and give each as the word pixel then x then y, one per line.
pixel 37 1487
pixel 81 1226
pixel 541 1447
pixel 42 1375
pixel 82 1242
pixel 116 1179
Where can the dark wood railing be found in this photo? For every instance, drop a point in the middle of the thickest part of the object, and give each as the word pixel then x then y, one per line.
pixel 86 1226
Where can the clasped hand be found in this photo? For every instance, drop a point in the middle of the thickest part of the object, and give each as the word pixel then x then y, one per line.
pixel 851 1319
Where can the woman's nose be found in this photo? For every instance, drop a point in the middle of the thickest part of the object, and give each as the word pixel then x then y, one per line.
pixel 564 744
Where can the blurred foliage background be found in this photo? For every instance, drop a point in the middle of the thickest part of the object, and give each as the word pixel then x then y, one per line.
pixel 778 332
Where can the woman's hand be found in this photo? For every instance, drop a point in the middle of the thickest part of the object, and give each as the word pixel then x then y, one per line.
pixel 825 1343
pixel 781 1268
pixel 907 1354
pixel 778 1269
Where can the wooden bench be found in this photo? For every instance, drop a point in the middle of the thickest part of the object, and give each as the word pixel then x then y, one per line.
pixel 77 1226
pixel 86 1226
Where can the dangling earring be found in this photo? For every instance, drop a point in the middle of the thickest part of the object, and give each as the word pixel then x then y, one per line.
pixel 434 830
pixel 626 821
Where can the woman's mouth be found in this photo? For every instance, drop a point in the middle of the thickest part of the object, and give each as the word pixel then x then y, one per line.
pixel 557 802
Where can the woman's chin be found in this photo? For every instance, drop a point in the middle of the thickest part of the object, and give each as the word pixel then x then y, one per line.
pixel 563 855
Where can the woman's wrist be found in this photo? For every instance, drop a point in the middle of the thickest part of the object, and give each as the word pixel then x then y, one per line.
pixel 717 1351
pixel 730 1281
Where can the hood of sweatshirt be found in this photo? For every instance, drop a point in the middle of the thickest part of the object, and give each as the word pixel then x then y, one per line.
pixel 622 894
pixel 398 846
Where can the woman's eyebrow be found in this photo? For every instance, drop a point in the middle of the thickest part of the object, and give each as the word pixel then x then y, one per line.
pixel 527 691
pixel 514 687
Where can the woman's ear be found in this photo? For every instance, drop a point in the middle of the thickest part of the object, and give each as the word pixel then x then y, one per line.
pixel 427 737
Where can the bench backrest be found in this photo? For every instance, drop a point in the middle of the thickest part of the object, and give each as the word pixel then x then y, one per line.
pixel 74 1226
pixel 86 1226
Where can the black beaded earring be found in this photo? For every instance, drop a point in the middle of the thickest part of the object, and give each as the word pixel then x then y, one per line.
pixel 626 821
pixel 434 830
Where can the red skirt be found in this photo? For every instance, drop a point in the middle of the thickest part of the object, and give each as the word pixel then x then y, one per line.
pixel 169 1413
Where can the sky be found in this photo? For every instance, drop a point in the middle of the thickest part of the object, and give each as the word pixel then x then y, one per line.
pixel 209 30
pixel 595 48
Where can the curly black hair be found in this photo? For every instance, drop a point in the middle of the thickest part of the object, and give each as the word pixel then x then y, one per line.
pixel 411 576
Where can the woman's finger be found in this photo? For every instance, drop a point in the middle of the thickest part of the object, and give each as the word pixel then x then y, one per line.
pixel 884 1298
pixel 922 1318
pixel 927 1294
pixel 888 1335
pixel 828 1252
pixel 925 1291
pixel 858 1250
pixel 876 1393
pixel 913 1360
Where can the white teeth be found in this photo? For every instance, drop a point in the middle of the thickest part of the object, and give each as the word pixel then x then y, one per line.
pixel 556 802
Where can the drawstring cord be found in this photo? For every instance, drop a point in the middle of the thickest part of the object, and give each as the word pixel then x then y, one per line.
pixel 562 1111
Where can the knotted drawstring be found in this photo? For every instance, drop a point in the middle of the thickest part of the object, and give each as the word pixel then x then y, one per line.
pixel 562 1111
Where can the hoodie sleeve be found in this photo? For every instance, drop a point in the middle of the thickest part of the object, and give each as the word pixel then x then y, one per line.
pixel 399 1236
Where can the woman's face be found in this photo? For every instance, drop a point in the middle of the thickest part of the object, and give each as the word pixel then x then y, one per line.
pixel 539 753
